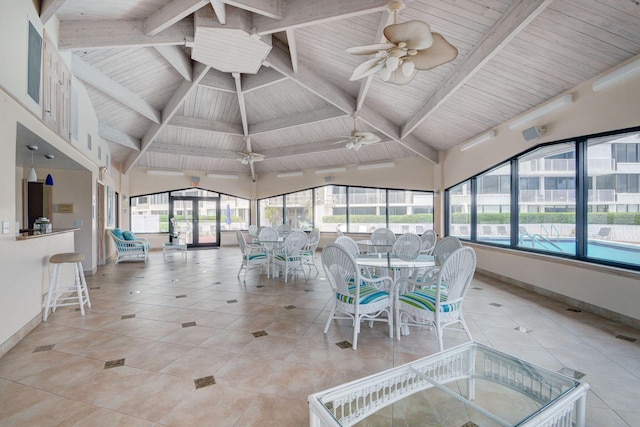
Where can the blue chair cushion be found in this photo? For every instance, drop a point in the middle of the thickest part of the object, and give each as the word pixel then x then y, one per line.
pixel 368 294
pixel 118 233
pixel 426 300
pixel 255 257
pixel 128 235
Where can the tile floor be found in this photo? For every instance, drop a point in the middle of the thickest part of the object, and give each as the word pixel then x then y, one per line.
pixel 184 343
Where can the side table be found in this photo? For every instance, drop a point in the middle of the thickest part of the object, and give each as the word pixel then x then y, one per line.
pixel 169 247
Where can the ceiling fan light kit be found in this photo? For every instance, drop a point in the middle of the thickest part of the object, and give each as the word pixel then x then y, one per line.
pixel 411 47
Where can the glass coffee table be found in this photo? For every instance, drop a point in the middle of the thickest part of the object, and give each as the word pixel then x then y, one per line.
pixel 466 386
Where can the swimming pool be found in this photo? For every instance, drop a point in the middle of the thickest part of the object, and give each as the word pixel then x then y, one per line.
pixel 596 249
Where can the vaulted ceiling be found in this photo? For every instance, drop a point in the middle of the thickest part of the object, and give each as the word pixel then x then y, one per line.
pixel 188 84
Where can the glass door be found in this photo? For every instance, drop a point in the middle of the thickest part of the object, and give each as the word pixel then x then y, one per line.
pixel 196 220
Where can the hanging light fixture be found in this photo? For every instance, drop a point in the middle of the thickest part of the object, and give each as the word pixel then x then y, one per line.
pixel 49 180
pixel 32 173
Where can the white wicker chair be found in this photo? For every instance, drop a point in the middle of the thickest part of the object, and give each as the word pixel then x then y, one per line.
pixel 349 244
pixel 284 230
pixel 382 237
pixel 407 246
pixel 253 257
pixel 309 251
pixel 429 239
pixel 444 248
pixel 268 238
pixel 131 250
pixel 289 258
pixel 355 297
pixel 440 306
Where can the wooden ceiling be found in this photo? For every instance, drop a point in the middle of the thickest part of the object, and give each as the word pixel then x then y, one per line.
pixel 158 108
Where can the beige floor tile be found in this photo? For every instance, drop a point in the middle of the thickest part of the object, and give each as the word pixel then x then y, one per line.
pixel 266 380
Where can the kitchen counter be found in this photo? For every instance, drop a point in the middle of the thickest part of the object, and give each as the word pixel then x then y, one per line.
pixel 32 234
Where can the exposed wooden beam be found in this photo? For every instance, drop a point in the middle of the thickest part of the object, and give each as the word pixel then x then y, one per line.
pixel 293 52
pixel 107 34
pixel 365 84
pixel 241 104
pixel 299 150
pixel 381 123
pixel 171 13
pixel 301 13
pixel 178 58
pixel 510 25
pixel 219 9
pixel 265 77
pixel 219 81
pixel 273 9
pixel 199 71
pixel 206 125
pixel 189 150
pixel 296 120
pixel 305 77
pixel 117 136
pixel 94 77
pixel 341 100
pixel 48 8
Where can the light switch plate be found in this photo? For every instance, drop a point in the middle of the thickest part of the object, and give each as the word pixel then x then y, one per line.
pixel 5 227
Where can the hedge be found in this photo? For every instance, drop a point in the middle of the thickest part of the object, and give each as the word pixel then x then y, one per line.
pixel 368 219
pixel 622 218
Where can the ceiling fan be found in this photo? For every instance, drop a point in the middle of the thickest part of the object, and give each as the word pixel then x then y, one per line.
pixel 358 138
pixel 247 157
pixel 410 46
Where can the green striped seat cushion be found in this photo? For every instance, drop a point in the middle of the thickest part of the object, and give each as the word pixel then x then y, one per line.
pixel 426 300
pixel 284 258
pixel 254 257
pixel 368 294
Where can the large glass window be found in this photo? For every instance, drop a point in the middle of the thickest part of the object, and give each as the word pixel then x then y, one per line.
pixel 367 209
pixel 547 215
pixel 150 214
pixel 353 209
pixel 493 203
pixel 235 212
pixel 460 210
pixel 331 208
pixel 271 211
pixel 577 199
pixel 613 198
pixel 299 210
pixel 410 211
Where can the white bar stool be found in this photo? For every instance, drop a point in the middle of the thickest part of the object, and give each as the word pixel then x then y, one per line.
pixel 54 296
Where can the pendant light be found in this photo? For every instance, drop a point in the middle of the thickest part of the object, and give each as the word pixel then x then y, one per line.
pixel 32 173
pixel 49 180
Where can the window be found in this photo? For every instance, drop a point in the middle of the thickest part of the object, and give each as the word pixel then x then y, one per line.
pixel 613 197
pixel 351 209
pixel 34 64
pixel 271 211
pixel 593 216
pixel 150 214
pixel 546 216
pixel 460 210
pixel 493 202
pixel 299 210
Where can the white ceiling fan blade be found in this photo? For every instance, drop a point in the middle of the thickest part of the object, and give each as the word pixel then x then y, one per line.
pixel 416 34
pixel 370 49
pixel 367 136
pixel 367 68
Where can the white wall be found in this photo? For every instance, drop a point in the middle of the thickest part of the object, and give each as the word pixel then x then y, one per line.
pixel 24 263
pixel 617 107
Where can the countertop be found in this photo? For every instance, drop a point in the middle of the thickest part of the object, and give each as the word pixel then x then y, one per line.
pixel 31 234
